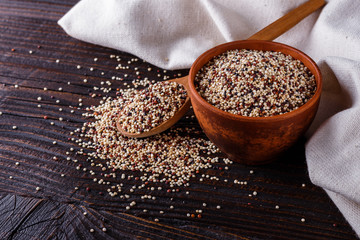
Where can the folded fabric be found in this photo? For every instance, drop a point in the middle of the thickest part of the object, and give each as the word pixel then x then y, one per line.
pixel 172 34
pixel 333 151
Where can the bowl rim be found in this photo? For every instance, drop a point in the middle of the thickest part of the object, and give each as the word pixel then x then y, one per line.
pixel 195 94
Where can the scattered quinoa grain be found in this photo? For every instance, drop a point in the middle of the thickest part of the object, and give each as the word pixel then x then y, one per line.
pixel 159 158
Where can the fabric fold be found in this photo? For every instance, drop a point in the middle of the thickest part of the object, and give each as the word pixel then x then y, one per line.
pixel 172 34
pixel 333 151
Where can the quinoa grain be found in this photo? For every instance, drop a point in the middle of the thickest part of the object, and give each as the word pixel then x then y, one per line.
pixel 152 106
pixel 255 83
pixel 170 157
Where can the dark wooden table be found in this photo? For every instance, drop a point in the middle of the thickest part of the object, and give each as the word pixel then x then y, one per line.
pixel 44 196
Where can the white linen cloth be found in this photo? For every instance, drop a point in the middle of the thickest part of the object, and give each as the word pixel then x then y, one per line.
pixel 172 33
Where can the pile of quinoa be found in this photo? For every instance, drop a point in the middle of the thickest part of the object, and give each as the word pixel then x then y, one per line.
pixel 152 106
pixel 255 83
pixel 171 157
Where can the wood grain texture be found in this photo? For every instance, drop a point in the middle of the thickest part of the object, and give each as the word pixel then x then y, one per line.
pixel 68 206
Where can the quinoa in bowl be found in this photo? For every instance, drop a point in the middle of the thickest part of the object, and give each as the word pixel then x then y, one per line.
pixel 255 83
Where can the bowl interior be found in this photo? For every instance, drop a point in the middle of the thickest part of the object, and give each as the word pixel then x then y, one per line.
pixel 255 45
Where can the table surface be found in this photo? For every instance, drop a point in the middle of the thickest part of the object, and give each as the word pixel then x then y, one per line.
pixel 287 204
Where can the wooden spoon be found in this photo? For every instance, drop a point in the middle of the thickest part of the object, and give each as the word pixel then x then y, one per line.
pixel 269 33
pixel 167 124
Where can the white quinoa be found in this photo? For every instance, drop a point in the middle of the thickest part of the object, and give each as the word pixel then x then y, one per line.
pixel 255 83
pixel 152 106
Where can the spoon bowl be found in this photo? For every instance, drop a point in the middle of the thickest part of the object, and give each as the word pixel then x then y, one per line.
pixel 166 124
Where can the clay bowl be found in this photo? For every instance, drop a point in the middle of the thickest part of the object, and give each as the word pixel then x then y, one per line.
pixel 253 140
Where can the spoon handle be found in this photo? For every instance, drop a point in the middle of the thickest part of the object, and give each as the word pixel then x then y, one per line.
pixel 183 80
pixel 286 22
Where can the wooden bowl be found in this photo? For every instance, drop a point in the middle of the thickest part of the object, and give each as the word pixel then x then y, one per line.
pixel 253 140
